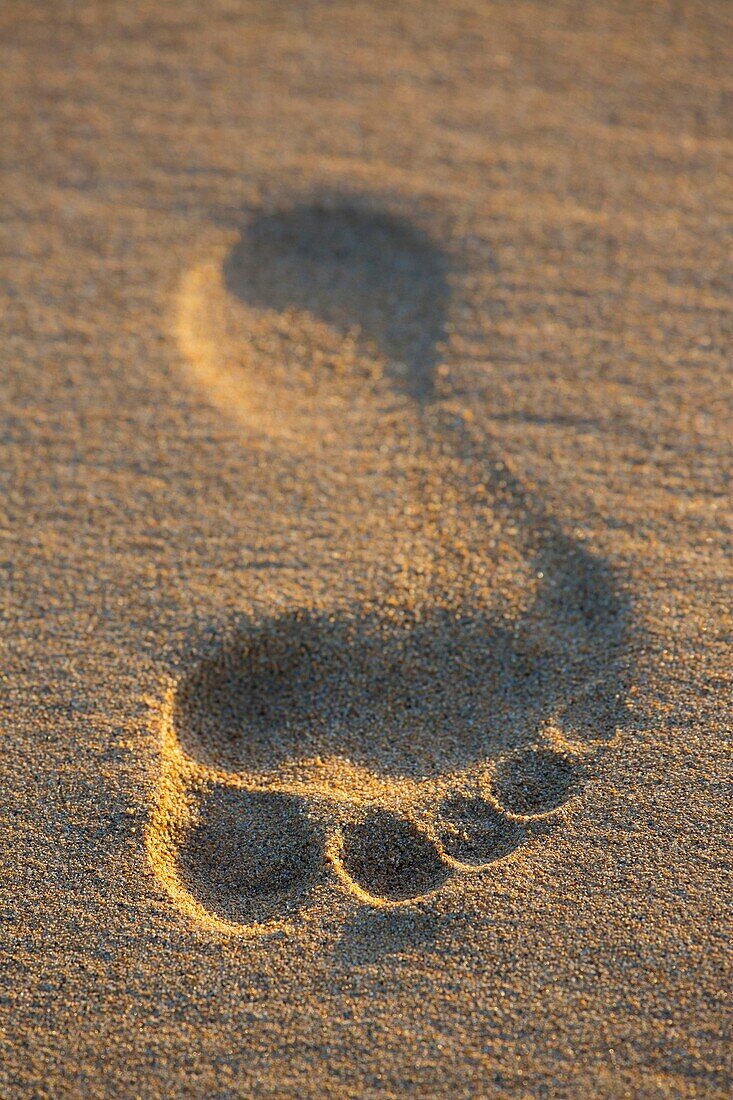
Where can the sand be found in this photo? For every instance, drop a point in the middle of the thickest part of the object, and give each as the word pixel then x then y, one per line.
pixel 366 518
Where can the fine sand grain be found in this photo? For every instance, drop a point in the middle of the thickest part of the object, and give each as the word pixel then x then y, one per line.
pixel 367 432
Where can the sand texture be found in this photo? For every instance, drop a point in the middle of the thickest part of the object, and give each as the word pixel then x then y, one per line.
pixel 366 513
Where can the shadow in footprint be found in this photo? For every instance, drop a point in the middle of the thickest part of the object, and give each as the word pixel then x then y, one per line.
pixel 249 856
pixel 357 269
pixel 414 697
pixel 389 858
pixel 474 832
pixel 535 781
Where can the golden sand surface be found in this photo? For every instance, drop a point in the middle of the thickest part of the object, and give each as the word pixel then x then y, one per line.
pixel 366 529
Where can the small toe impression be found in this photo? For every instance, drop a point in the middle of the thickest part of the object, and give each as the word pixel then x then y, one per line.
pixel 474 832
pixel 388 857
pixel 536 780
pixel 250 855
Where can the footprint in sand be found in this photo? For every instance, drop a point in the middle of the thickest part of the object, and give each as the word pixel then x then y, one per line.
pixel 416 731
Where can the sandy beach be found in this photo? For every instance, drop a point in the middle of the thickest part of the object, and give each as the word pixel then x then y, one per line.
pixel 366 549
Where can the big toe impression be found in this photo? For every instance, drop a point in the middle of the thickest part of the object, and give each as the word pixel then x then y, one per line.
pixel 249 855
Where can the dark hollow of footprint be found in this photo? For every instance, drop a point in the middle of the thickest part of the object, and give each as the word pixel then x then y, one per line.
pixel 473 831
pixel 354 267
pixel 389 857
pixel 402 696
pixel 535 781
pixel 250 855
pixel 413 698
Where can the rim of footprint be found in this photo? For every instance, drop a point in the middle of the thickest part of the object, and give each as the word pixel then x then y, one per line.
pixel 384 747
